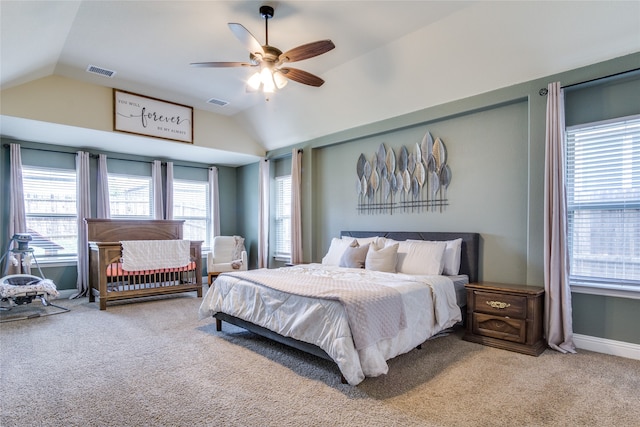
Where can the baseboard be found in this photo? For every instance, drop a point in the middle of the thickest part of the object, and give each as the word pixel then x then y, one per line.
pixel 603 345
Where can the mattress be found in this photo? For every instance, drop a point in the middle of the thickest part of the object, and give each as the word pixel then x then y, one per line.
pixel 429 302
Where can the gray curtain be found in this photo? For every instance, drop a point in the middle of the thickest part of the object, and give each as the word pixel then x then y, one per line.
pixel 83 206
pixel 296 206
pixel 557 318
pixel 214 196
pixel 169 193
pixel 263 215
pixel 17 215
pixel 103 204
pixel 156 179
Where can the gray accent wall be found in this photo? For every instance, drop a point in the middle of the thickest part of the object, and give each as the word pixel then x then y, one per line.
pixel 496 152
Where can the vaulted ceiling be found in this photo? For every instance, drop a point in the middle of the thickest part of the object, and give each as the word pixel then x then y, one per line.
pixel 391 57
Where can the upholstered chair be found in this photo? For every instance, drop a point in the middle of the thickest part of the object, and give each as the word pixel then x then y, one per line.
pixel 228 253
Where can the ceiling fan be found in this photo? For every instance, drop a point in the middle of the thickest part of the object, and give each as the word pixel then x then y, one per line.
pixel 272 62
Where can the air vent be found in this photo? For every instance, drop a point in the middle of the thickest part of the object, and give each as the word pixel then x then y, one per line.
pixel 100 71
pixel 219 102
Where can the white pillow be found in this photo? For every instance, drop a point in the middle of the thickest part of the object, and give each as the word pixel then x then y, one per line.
pixel 421 257
pixel 382 259
pixel 337 248
pixel 452 255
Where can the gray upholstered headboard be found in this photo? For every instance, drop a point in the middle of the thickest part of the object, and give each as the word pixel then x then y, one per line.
pixel 469 258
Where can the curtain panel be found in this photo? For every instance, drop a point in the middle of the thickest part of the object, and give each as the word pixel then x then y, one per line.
pixel 296 206
pixel 83 206
pixel 557 318
pixel 17 212
pixel 102 203
pixel 263 214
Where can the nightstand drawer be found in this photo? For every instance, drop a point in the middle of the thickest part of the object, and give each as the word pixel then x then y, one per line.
pixel 500 304
pixel 499 327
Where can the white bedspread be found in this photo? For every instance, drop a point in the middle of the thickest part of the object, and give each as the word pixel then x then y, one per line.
pixel 429 307
pixel 140 255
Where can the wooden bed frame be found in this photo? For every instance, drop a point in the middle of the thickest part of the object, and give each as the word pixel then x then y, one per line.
pixel 104 237
pixel 469 265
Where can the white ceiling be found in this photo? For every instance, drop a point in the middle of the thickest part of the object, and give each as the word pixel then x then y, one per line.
pixel 391 57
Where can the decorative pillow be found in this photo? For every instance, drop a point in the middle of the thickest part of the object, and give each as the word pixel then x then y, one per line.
pixel 354 257
pixel 337 248
pixel 376 240
pixel 421 257
pixel 382 259
pixel 451 257
pixel 238 247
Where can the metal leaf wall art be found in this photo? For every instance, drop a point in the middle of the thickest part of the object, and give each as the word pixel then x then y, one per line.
pixel 414 180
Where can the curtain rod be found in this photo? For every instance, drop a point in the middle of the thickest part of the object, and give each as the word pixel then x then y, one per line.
pixel 544 90
pixel 95 156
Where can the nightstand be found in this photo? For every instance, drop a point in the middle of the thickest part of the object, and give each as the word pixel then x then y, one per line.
pixel 506 316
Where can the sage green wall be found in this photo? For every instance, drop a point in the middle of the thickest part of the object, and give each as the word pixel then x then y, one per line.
pixel 248 205
pixel 496 150
pixel 65 277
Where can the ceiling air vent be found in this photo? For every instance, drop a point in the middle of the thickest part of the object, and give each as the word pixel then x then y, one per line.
pixel 219 102
pixel 100 71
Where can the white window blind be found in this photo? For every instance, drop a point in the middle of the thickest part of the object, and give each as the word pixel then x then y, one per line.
pixel 283 218
pixel 603 203
pixel 51 213
pixel 191 204
pixel 130 196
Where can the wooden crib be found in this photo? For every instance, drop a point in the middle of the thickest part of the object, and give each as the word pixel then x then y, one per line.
pixel 109 282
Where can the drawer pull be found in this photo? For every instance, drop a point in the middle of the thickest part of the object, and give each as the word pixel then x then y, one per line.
pixel 498 304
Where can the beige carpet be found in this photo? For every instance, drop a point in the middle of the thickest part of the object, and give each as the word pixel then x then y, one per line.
pixel 154 363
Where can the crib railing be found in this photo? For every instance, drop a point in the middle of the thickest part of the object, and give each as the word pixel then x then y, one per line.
pixel 109 281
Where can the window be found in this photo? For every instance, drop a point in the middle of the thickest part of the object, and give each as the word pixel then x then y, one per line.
pixel 51 213
pixel 603 203
pixel 283 218
pixel 191 204
pixel 130 196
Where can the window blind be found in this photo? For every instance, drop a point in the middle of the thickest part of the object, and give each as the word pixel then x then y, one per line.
pixel 603 202
pixel 283 217
pixel 130 196
pixel 191 204
pixel 50 210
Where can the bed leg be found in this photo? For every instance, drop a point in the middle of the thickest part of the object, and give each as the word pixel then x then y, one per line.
pixel 218 325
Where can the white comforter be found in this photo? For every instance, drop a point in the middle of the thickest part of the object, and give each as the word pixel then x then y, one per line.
pixel 429 306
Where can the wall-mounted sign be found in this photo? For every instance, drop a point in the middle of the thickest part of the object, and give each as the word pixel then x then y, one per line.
pixel 152 117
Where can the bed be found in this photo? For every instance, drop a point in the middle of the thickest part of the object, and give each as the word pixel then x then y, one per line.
pixel 404 311
pixel 109 278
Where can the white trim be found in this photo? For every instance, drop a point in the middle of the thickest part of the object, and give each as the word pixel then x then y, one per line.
pixel 607 346
pixel 611 291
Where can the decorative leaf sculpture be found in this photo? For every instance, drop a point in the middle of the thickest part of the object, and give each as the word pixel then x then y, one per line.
pixel 439 153
pixel 391 162
pixel 427 147
pixel 394 182
pixel 399 181
pixel 418 153
pixel 383 170
pixel 374 163
pixel 434 183
pixel 386 188
pixel 360 165
pixel 406 179
pixel 445 176
pixel 431 163
pixel 358 187
pixel 382 155
pixel 411 164
pixel 363 186
pixel 367 171
pixel 421 174
pixel 404 159
pixel 375 180
pixel 415 188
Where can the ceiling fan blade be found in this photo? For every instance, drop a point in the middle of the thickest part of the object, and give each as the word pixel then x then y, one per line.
pixel 246 38
pixel 221 64
pixel 307 51
pixel 302 77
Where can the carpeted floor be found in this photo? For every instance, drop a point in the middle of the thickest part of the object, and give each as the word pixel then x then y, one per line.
pixel 154 363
